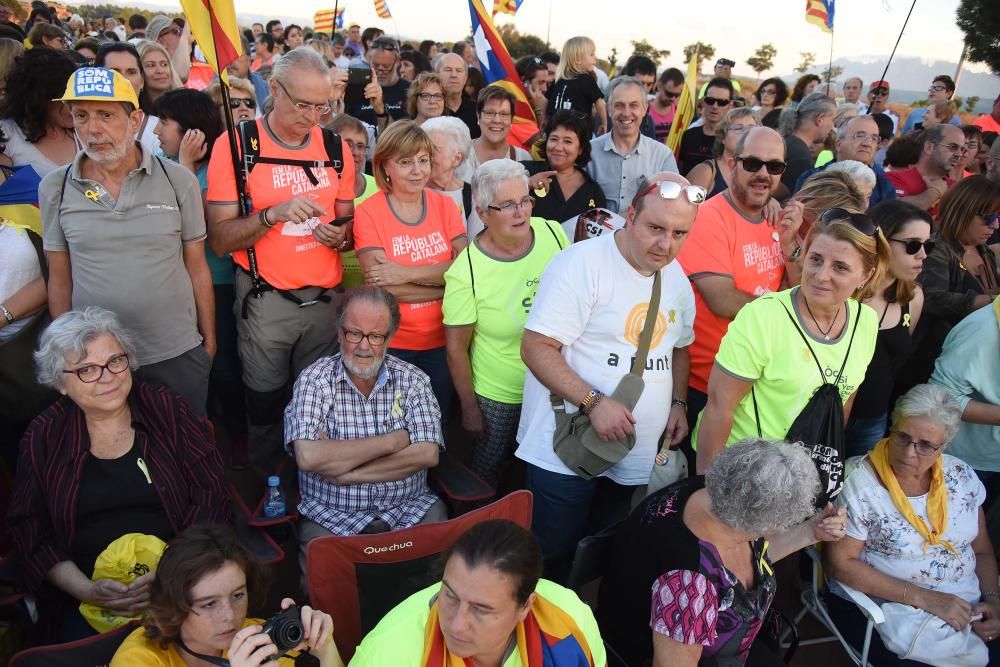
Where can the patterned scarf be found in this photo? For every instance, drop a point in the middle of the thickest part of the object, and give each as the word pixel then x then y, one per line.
pixel 937 497
pixel 548 637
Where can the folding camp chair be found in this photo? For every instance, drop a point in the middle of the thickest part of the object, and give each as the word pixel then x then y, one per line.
pixel 83 653
pixel 359 579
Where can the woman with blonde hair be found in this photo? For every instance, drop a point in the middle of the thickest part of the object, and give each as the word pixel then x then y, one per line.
pixel 784 346
pixel 10 49
pixel 825 190
pixel 406 237
pixel 242 99
pixel 425 98
pixel 157 70
pixel 576 86
pixel 715 175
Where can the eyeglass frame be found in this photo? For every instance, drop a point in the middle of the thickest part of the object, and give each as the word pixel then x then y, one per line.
pixel 716 102
pixel 103 367
pixel 304 107
pixel 928 245
pixel 427 97
pixel 917 444
pixel 248 102
pixel 692 192
pixel 348 333
pixel 861 222
pixel 512 206
pixel 741 159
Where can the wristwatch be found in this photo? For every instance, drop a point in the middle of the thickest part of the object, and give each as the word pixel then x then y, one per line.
pixel 592 398
pixel 7 315
pixel 796 254
pixel 679 402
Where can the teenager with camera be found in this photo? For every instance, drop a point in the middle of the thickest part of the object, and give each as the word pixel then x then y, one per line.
pixel 198 612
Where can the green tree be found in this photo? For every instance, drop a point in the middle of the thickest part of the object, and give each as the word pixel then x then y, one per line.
pixel 613 59
pixel 970 103
pixel 643 48
pixel 520 44
pixel 705 51
pixel 831 74
pixel 808 59
pixel 762 59
pixel 980 21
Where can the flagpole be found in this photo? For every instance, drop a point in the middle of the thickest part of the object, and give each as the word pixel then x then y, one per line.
pixel 241 197
pixel 829 68
pixel 333 24
pixel 548 28
pixel 888 62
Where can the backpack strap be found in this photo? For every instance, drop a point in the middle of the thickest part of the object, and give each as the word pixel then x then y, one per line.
pixel 467 199
pixel 472 276
pixel 554 235
pixel 795 324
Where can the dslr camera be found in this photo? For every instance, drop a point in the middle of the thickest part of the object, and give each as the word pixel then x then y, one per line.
pixel 285 629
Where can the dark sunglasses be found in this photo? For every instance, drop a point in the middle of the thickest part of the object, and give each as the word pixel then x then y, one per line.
pixel 859 221
pixel 991 219
pixel 716 102
pixel 753 165
pixel 234 102
pixel 912 247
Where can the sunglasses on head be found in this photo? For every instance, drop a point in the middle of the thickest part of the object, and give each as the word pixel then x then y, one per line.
pixel 859 221
pixel 715 101
pixel 912 246
pixel 234 102
pixel 753 165
pixel 672 190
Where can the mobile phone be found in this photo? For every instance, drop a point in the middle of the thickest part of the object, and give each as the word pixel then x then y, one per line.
pixel 340 222
pixel 359 76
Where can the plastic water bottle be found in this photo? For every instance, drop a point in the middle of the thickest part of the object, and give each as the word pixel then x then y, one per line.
pixel 274 505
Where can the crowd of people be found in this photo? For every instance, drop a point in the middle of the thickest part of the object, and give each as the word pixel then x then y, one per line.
pixel 803 302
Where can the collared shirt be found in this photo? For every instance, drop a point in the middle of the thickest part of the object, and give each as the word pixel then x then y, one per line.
pixel 882 191
pixel 126 252
pixel 619 175
pixel 182 460
pixel 326 400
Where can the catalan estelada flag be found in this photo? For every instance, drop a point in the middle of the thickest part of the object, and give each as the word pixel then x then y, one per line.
pixel 323 20
pixel 498 68
pixel 506 6
pixel 213 24
pixel 685 105
pixel 820 14
pixel 382 9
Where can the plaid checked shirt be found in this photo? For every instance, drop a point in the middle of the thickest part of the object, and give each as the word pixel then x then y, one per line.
pixel 326 399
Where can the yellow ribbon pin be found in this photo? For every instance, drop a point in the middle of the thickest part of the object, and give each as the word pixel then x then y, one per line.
pixel 397 409
pixel 906 319
pixel 673 316
pixel 92 195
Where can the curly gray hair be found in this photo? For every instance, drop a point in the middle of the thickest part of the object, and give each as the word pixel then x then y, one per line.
pixel 931 402
pixel 758 486
pixel 490 175
pixel 65 341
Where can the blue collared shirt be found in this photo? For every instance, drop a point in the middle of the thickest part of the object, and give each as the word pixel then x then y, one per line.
pixel 619 175
pixel 882 191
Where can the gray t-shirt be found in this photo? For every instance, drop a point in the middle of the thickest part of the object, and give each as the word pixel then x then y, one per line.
pixel 127 255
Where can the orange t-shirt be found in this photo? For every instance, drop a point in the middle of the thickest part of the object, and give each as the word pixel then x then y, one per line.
pixel 288 256
pixel 723 242
pixel 429 241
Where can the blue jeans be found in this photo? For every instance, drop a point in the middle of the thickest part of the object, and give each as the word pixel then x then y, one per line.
pixel 862 434
pixel 434 362
pixel 567 508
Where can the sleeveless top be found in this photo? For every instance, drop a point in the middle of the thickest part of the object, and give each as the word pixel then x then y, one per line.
pixel 719 183
pixel 893 347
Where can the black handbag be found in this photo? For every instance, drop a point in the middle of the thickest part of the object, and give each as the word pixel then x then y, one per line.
pixel 819 427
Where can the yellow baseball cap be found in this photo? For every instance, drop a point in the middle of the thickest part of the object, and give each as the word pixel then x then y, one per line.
pixel 97 84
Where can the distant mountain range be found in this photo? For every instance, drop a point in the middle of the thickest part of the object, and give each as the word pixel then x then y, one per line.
pixel 909 78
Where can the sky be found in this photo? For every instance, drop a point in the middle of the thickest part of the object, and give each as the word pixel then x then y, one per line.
pixel 735 27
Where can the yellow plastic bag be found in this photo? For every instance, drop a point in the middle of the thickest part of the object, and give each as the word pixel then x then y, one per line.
pixel 125 560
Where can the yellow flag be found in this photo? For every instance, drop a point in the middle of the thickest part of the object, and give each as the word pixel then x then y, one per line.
pixel 685 105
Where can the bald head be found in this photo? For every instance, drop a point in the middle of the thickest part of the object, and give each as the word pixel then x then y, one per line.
pixel 658 225
pixel 454 72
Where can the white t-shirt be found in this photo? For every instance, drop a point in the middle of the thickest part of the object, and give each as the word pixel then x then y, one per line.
pixel 18 267
pixel 593 302
pixel 146 136
pixel 22 152
pixel 894 547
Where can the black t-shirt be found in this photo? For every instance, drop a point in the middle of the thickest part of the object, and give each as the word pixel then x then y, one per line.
pixel 554 206
pixel 578 94
pixel 466 112
pixel 696 147
pixel 664 579
pixel 394 98
pixel 798 158
pixel 893 347
pixel 116 498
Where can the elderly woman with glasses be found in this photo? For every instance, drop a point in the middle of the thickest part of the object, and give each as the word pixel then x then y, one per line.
pixel 242 99
pixel 406 237
pixel 691 576
pixel 783 346
pixel 716 175
pixel 109 458
pixel 426 97
pixel 916 539
pixel 501 266
pixel 452 145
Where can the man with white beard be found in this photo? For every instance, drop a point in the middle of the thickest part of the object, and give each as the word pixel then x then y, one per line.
pixel 125 230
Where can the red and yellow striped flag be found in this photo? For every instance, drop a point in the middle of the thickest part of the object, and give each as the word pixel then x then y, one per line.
pixel 213 24
pixel 382 9
pixel 323 20
pixel 506 6
pixel 685 105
